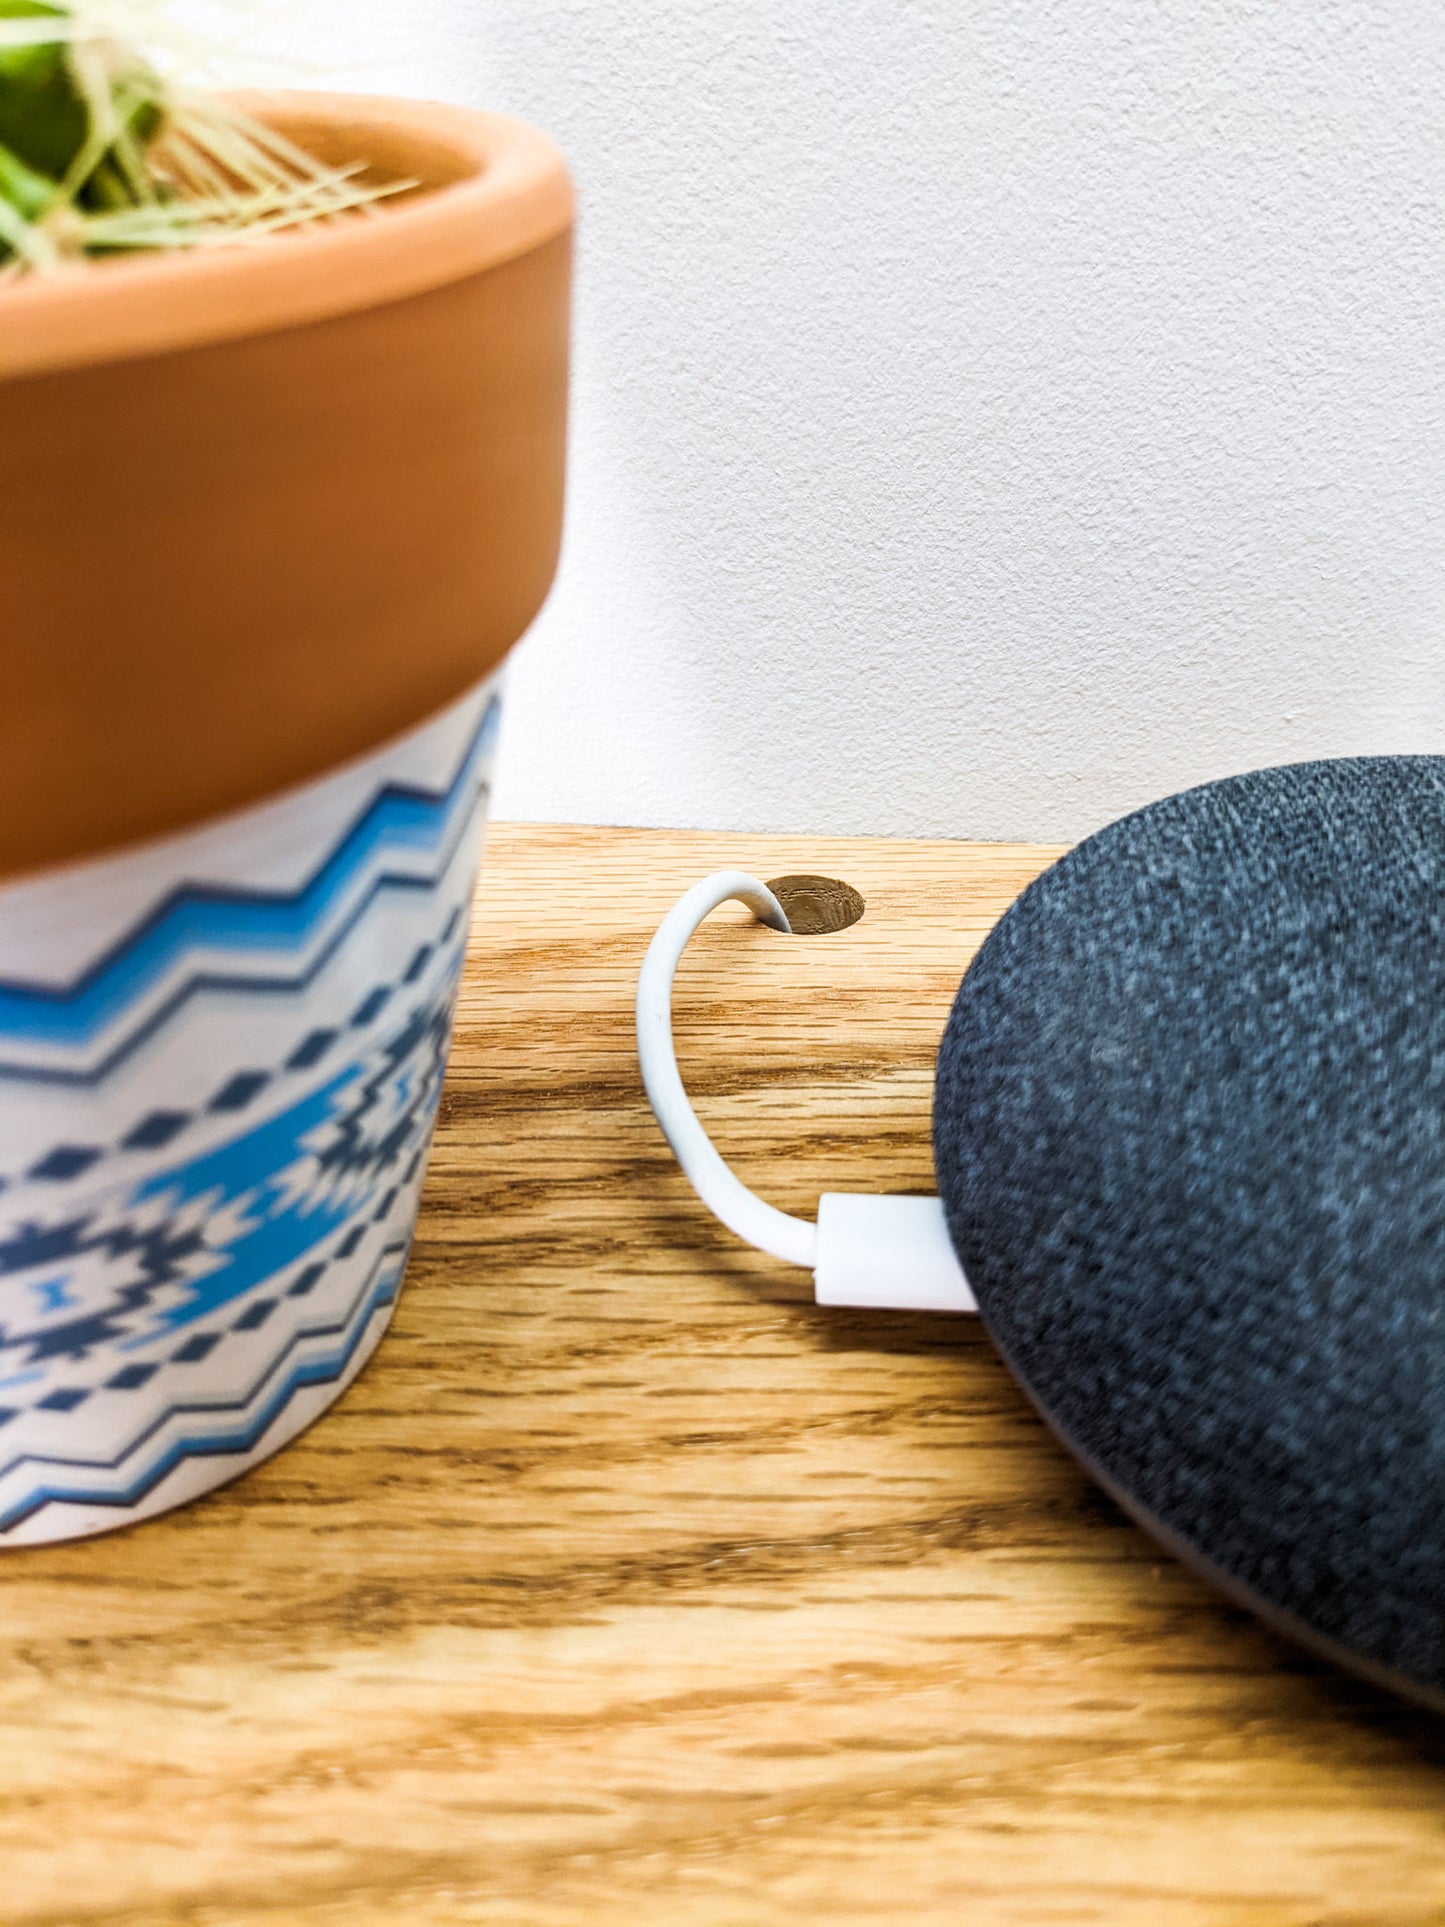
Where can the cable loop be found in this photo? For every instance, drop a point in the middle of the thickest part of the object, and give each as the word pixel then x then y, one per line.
pixel 794 1240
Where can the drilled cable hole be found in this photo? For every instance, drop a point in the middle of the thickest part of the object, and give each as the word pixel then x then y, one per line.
pixel 816 906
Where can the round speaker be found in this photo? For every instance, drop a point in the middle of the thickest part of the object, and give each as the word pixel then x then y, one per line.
pixel 1189 1132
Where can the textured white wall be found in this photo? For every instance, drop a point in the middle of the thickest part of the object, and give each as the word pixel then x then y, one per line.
pixel 989 413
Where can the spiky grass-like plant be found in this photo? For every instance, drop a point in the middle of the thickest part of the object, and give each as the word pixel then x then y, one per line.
pixel 103 152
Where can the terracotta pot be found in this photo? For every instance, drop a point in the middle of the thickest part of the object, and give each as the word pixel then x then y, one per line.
pixel 272 518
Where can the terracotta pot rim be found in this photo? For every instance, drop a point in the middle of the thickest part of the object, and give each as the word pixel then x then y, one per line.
pixel 512 195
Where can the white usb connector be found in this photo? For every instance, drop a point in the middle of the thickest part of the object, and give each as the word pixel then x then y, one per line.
pixel 864 1250
pixel 891 1252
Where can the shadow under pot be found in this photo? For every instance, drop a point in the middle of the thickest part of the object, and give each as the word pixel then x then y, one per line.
pixel 274 517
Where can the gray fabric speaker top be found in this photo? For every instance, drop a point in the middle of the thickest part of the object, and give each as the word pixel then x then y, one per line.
pixel 1190 1136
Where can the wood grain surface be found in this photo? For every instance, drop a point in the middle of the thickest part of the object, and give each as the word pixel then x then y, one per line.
pixel 626 1586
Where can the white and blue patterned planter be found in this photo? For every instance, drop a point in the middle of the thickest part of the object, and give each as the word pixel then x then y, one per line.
pixel 220 1059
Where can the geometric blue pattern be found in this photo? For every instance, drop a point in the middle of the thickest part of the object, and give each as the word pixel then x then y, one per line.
pixel 182 1255
pixel 273 1197
pixel 159 1129
pixel 215 1428
pixel 261 923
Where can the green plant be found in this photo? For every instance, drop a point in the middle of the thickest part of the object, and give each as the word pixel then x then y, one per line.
pixel 101 151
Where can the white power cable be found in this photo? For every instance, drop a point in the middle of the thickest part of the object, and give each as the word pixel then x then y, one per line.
pixel 726 1196
pixel 892 1252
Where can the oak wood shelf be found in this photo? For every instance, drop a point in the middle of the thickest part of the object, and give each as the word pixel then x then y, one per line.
pixel 626 1586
